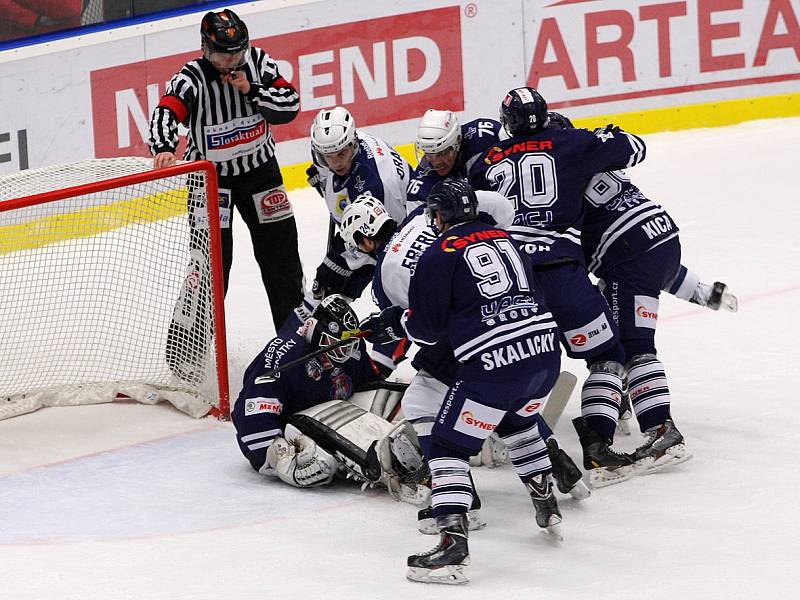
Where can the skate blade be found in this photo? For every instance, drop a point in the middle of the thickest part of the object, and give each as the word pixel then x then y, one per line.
pixel 447 575
pixel 580 491
pixel 673 456
pixel 474 523
pixel 603 477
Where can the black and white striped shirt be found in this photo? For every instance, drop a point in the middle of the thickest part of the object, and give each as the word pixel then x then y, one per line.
pixel 227 127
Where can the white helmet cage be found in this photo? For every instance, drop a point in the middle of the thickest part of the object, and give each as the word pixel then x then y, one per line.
pixel 437 131
pixel 332 130
pixel 365 215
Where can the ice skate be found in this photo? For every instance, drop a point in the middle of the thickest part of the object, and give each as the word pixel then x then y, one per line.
pixel 605 466
pixel 427 524
pixel 548 516
pixel 566 473
pixel 445 563
pixel 664 447
pixel 715 297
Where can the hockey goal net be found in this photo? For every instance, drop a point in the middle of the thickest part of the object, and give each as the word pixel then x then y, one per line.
pixel 111 287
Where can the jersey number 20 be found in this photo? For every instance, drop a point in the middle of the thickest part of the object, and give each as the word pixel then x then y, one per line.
pixel 536 175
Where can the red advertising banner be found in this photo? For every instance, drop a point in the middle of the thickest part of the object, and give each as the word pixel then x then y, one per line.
pixel 383 70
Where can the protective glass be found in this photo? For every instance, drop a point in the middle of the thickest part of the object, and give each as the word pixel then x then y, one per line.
pixel 441 162
pixel 338 162
pixel 226 62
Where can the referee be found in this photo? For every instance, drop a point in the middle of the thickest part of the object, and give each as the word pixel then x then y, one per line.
pixel 227 99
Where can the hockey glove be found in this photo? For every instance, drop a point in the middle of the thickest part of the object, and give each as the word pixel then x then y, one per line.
pixel 315 180
pixel 298 460
pixel 331 278
pixel 385 326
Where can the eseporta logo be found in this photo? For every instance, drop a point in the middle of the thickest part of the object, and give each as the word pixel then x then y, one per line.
pixel 470 420
pixel 578 340
pixel 454 242
pixel 240 135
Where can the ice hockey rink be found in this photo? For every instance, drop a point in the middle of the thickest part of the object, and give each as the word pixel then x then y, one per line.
pixel 124 501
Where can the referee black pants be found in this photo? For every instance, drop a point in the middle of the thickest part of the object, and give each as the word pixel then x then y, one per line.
pixel 274 243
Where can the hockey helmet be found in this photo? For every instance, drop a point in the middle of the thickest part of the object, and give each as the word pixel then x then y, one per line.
pixel 330 319
pixel 523 111
pixel 454 201
pixel 224 39
pixel 437 131
pixel 332 132
pixel 363 217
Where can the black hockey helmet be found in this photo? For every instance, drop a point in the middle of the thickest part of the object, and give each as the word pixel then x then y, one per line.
pixel 559 121
pixel 454 201
pixel 224 31
pixel 331 318
pixel 523 111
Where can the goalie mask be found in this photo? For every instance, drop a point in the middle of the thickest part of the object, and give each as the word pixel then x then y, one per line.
pixel 332 317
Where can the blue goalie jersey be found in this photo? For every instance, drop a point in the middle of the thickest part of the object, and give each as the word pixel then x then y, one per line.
pixel 544 175
pixel 620 223
pixel 472 287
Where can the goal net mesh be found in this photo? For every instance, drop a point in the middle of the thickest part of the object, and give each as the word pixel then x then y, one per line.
pixel 108 293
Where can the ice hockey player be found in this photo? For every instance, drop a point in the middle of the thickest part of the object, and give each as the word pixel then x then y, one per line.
pixel 544 170
pixel 348 162
pixel 632 245
pixel 298 424
pixel 367 226
pixel 447 149
pixel 471 286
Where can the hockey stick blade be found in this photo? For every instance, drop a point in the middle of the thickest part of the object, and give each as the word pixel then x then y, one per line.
pixel 559 397
pixel 347 337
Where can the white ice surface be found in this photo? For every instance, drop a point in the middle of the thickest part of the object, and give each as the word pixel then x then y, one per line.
pixel 139 502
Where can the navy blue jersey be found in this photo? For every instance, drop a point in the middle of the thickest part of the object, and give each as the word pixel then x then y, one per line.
pixel 471 286
pixel 544 174
pixel 476 138
pixel 262 408
pixel 620 222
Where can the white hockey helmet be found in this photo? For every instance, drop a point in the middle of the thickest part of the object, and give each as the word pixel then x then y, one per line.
pixel 437 131
pixel 365 215
pixel 333 130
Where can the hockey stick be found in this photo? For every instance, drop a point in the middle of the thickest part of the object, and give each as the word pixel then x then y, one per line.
pixel 347 338
pixel 558 398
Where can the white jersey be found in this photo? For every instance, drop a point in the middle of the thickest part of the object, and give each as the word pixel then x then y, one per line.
pixel 398 260
pixel 378 169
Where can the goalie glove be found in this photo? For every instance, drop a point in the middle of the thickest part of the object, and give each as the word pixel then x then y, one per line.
pixel 298 460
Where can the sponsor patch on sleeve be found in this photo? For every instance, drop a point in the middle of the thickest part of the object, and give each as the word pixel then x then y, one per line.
pixel 255 406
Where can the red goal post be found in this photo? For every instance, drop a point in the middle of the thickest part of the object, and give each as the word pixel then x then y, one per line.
pixel 111 287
